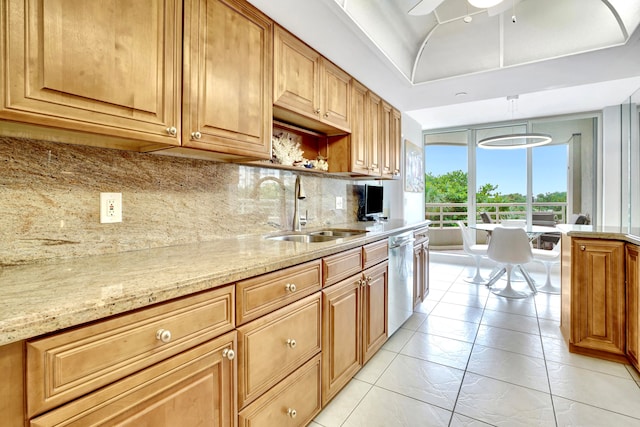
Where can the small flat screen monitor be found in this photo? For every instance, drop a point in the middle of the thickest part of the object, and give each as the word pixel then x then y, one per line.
pixel 373 196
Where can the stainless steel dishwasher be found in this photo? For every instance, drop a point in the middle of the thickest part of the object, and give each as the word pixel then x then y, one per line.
pixel 400 279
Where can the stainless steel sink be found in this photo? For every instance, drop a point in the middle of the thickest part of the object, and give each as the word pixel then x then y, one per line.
pixel 337 232
pixel 325 235
pixel 302 238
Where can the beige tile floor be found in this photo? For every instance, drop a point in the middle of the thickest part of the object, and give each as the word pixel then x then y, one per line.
pixel 470 358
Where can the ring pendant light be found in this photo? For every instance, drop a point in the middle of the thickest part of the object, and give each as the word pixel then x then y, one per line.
pixel 512 141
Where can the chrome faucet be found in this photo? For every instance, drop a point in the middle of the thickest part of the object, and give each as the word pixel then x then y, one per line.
pixel 298 220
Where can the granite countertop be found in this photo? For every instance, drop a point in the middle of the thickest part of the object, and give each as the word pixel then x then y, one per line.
pixel 626 234
pixel 49 296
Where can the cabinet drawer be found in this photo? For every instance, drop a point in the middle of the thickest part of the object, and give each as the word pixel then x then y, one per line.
pixel 340 266
pixel 374 253
pixel 293 402
pixel 67 365
pixel 261 295
pixel 196 387
pixel 272 347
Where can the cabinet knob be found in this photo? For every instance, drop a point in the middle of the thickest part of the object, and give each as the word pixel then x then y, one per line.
pixel 229 353
pixel 326 115
pixel 291 287
pixel 369 280
pixel 291 343
pixel 172 131
pixel 317 111
pixel 292 412
pixel 583 247
pixel 163 335
pixel 196 135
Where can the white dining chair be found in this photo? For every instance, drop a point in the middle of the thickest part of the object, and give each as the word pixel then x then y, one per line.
pixel 548 258
pixel 509 246
pixel 477 252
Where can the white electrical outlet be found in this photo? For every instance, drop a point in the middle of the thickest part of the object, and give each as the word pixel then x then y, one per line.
pixel 339 202
pixel 110 208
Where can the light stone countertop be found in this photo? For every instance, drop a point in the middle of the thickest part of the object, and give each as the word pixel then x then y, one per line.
pixel 49 296
pixel 625 234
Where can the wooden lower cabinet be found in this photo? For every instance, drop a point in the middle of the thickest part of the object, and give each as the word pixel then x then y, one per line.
pixel 273 346
pixel 196 387
pixel 420 266
pixel 598 325
pixel 293 402
pixel 375 326
pixel 633 304
pixel 354 326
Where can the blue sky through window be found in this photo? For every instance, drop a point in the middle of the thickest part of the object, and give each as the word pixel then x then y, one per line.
pixel 505 168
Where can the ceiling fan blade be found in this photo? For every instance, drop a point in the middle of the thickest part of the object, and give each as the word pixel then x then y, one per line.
pixel 424 7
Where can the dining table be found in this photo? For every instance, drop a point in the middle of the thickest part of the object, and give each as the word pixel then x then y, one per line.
pixel 533 231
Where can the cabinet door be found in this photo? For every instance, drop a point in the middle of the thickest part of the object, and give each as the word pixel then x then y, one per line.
pixel 296 78
pixel 417 275
pixel 228 73
pixel 359 109
pixel 374 310
pixel 598 295
pixel 396 141
pixel 387 143
pixel 335 96
pixel 633 304
pixel 196 387
pixel 424 271
pixel 374 133
pixel 341 335
pixel 109 67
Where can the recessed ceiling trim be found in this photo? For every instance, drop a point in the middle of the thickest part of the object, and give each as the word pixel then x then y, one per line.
pixel 416 60
pixel 615 13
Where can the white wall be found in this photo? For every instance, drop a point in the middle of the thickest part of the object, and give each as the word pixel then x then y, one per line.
pixel 405 205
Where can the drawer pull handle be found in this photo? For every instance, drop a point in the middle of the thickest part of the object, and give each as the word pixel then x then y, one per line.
pixel 229 353
pixel 292 412
pixel 291 343
pixel 291 287
pixel 163 335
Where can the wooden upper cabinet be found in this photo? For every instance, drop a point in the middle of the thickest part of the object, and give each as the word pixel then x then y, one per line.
pixel 358 142
pixel 391 150
pixel 373 122
pixel 309 90
pixel 396 141
pixel 335 96
pixel 228 78
pixel 109 67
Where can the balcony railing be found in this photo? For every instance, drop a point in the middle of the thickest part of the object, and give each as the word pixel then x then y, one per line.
pixel 446 214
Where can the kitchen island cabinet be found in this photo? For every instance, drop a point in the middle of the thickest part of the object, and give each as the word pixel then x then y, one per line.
pixel 632 259
pixel 599 295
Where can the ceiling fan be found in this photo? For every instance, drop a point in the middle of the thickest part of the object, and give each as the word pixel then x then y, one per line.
pixel 494 7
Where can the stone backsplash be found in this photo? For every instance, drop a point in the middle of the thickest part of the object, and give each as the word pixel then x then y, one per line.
pixel 51 192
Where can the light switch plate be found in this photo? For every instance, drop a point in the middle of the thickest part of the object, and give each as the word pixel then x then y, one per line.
pixel 110 208
pixel 339 204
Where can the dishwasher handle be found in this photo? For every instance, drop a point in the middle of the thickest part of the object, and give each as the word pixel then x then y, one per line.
pixel 401 242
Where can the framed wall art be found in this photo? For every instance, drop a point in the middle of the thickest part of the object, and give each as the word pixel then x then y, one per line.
pixel 414 168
